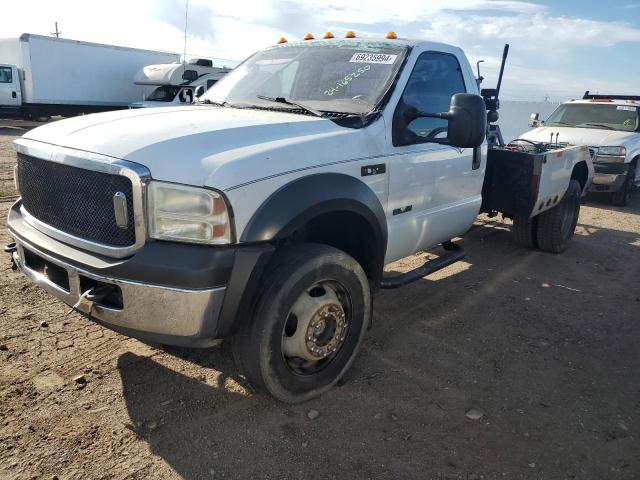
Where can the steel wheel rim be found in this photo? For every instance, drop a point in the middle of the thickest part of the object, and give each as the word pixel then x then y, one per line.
pixel 316 327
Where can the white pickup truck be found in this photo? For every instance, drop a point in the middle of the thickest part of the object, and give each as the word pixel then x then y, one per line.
pixel 268 212
pixel 610 126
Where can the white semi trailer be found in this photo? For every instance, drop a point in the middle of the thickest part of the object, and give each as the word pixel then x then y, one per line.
pixel 44 76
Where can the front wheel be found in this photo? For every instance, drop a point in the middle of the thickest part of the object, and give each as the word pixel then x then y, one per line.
pixel 557 225
pixel 622 197
pixel 308 325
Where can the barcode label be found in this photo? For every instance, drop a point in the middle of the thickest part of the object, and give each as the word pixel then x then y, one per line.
pixel 373 58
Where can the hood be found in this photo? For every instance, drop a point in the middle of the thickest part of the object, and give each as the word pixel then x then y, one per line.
pixel 196 145
pixel 593 137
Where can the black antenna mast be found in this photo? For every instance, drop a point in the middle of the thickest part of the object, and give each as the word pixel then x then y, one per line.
pixel 491 94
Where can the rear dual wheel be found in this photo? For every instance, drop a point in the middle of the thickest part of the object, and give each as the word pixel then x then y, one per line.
pixel 557 225
pixel 308 325
pixel 551 230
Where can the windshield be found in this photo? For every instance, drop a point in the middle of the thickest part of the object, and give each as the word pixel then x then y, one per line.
pixel 596 115
pixel 164 94
pixel 336 76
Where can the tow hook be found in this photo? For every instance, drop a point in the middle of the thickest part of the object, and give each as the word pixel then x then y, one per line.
pixel 10 249
pixel 90 297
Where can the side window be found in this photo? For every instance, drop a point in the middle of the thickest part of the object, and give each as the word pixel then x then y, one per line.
pixel 5 75
pixel 211 83
pixel 435 78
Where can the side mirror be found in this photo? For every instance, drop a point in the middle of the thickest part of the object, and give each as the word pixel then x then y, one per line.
pixel 533 120
pixel 467 121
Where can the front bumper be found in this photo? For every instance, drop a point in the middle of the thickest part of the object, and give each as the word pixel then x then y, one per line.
pixel 608 177
pixel 171 293
pixel 182 316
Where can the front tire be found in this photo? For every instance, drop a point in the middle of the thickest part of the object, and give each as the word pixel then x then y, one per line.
pixel 557 225
pixel 308 325
pixel 621 198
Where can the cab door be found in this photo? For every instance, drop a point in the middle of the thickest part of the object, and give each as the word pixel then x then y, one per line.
pixel 9 86
pixel 434 189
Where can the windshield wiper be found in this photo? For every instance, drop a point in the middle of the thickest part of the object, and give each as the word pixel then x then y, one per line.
pixel 599 125
pixel 560 123
pixel 283 100
pixel 206 101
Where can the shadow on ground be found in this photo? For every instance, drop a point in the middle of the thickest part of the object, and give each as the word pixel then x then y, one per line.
pixel 547 346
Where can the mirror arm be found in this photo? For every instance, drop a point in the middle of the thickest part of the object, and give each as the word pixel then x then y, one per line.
pixel 443 115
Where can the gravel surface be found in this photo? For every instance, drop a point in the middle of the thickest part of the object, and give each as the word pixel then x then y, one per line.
pixel 514 364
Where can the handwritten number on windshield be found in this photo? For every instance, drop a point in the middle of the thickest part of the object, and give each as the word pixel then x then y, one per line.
pixel 346 80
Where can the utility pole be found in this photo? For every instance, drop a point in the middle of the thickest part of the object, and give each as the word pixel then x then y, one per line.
pixel 57 32
pixel 186 18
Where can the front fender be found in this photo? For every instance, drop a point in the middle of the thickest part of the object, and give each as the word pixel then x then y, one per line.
pixel 294 204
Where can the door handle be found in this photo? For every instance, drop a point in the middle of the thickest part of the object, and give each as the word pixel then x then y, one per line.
pixel 13 95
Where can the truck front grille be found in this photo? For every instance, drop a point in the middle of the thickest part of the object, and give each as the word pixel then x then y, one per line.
pixel 76 201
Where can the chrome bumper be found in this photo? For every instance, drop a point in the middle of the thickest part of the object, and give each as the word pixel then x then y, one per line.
pixel 148 311
pixel 607 178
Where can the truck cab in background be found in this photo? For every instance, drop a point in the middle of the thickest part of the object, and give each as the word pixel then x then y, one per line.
pixel 10 91
pixel 610 126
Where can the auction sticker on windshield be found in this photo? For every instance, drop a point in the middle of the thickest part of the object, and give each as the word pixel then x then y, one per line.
pixel 383 58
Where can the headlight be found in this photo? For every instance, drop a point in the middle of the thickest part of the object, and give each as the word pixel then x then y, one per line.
pixel 610 155
pixel 187 214
pixel 612 151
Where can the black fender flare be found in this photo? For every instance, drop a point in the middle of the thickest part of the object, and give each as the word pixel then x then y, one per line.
pixel 297 202
pixel 289 208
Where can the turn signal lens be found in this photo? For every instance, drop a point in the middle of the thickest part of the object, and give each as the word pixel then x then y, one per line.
pixel 308 36
pixel 392 35
pixel 350 34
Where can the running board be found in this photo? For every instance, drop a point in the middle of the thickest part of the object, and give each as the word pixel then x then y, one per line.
pixel 454 253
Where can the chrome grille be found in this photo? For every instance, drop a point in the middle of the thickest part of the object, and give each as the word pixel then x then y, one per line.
pixel 75 200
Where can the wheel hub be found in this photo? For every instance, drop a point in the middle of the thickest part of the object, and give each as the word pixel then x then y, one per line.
pixel 325 331
pixel 320 326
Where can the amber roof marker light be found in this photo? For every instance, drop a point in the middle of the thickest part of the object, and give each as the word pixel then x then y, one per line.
pixel 350 34
pixel 327 35
pixel 308 36
pixel 391 35
pixel 282 40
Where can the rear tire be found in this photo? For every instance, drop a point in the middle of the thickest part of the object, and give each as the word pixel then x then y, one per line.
pixel 524 231
pixel 621 198
pixel 557 225
pixel 308 325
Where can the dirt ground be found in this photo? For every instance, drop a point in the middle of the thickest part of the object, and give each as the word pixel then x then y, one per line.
pixel 546 346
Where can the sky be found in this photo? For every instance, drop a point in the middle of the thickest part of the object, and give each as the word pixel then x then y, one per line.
pixel 558 49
